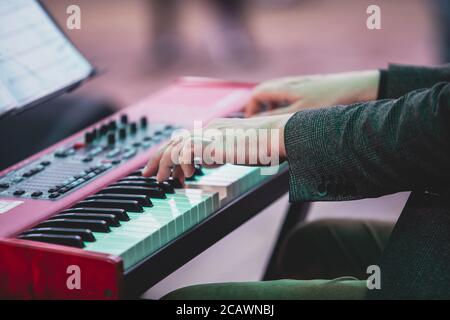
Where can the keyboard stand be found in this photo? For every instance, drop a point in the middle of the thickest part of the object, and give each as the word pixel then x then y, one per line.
pixel 296 213
pixel 175 254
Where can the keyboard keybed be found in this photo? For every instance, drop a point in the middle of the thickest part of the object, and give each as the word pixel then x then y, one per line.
pixel 148 231
pixel 136 216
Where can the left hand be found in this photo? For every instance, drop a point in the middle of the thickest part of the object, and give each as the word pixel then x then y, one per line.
pixel 253 141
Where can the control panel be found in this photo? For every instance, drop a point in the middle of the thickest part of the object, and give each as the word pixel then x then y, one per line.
pixel 102 148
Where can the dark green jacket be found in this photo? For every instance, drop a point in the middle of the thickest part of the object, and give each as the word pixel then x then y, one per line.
pixel 398 143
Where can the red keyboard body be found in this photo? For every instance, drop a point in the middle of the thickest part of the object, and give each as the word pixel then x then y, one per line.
pixel 37 270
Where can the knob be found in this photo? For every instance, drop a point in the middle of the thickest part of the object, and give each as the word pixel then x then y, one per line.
pixel 103 129
pixel 88 137
pixel 112 125
pixel 133 127
pixel 144 122
pixel 111 138
pixel 124 119
pixel 94 133
pixel 122 133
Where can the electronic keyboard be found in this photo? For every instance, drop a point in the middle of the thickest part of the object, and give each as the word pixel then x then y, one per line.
pixel 79 221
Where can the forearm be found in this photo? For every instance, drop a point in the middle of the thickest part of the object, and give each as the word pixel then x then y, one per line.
pixel 370 149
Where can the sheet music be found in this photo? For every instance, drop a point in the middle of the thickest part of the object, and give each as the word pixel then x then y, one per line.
pixel 36 59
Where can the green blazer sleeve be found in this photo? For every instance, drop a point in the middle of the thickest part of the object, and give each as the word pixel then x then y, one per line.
pixel 370 149
pixel 398 80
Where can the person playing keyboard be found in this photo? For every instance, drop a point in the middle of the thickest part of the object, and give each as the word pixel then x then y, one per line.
pixel 345 136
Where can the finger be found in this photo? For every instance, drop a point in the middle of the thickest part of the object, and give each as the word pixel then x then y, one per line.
pixel 270 100
pixel 166 164
pixel 178 174
pixel 252 107
pixel 152 165
pixel 187 159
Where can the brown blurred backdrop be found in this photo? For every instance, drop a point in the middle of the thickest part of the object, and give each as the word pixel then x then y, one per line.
pixel 286 37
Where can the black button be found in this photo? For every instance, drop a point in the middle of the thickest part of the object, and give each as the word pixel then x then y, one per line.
pixel 124 119
pixel 122 133
pixel 60 154
pixel 36 194
pixel 111 138
pixel 29 174
pixel 103 129
pixel 19 192
pixel 144 122
pixel 64 190
pixel 133 127
pixel 88 137
pixel 112 125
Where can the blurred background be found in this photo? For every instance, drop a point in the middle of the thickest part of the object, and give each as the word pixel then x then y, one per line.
pixel 143 45
pixel 140 46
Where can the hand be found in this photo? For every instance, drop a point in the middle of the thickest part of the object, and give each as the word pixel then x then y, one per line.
pixel 292 94
pixel 255 141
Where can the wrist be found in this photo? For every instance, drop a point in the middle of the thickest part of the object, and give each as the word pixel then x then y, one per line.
pixel 366 84
pixel 281 125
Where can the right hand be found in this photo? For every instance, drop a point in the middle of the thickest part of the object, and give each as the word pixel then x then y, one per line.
pixel 292 94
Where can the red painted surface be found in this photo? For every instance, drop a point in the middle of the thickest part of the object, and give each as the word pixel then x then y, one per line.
pixel 31 269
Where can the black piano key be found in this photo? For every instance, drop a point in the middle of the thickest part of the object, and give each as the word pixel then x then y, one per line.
pixel 109 218
pixel 136 173
pixel 198 170
pixel 141 199
pixel 67 240
pixel 139 178
pixel 85 234
pixel 167 187
pixel 121 214
pixel 152 184
pixel 155 192
pixel 174 183
pixel 128 205
pixel 94 225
